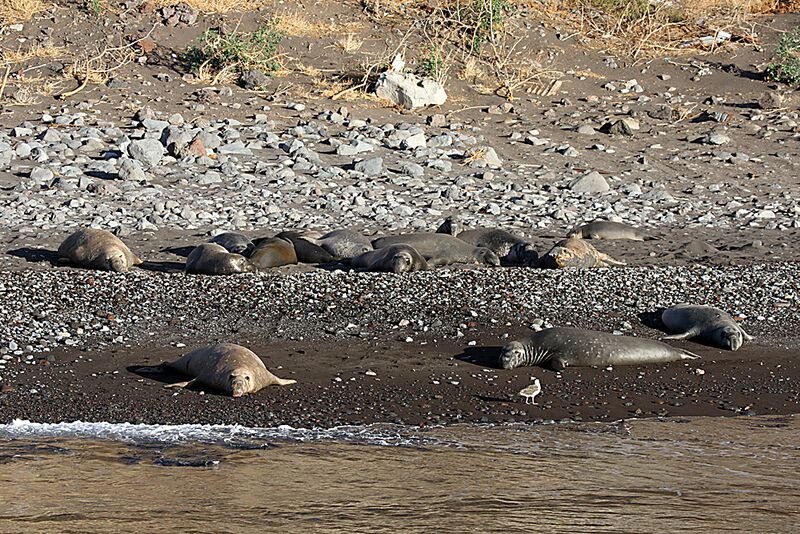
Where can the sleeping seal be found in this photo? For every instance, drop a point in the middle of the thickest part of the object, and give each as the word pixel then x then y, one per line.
pixel 234 242
pixel 511 249
pixel 306 250
pixel 705 322
pixel 97 249
pixel 211 258
pixel 226 367
pixel 608 230
pixel 393 259
pixel 577 253
pixel 441 249
pixel 576 347
pixel 273 252
pixel 344 243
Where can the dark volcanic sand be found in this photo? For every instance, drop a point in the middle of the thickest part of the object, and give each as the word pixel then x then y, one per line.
pixel 757 379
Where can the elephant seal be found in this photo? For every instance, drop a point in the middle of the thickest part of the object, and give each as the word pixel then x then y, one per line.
pixel 704 322
pixel 97 249
pixel 576 347
pixel 441 249
pixel 273 252
pixel 234 242
pixel 210 258
pixel 344 243
pixel 575 252
pixel 306 250
pixel 226 367
pixel 608 230
pixel 511 249
pixel 399 258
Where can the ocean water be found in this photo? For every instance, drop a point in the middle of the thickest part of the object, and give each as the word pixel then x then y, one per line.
pixel 673 475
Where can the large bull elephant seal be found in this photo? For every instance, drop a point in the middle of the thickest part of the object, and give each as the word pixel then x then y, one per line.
pixel 210 258
pixel 441 249
pixel 226 367
pixel 97 249
pixel 575 347
pixel 393 259
pixel 706 323
pixel 511 249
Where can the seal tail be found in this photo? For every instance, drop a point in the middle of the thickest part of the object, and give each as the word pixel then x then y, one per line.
pixel 686 355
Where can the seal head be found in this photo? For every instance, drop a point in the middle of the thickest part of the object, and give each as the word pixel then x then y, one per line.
pixel 487 257
pixel 512 355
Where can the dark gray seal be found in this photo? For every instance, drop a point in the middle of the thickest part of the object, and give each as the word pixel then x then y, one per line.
pixel 441 249
pixel 706 323
pixel 608 230
pixel 234 242
pixel 306 250
pixel 344 243
pixel 211 258
pixel 511 249
pixel 577 347
pixel 393 259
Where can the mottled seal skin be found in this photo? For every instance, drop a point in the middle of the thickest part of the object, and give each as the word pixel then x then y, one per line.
pixel 441 249
pixel 577 253
pixel 234 242
pixel 393 259
pixel 273 252
pixel 608 230
pixel 97 249
pixel 211 258
pixel 707 323
pixel 345 243
pixel 509 248
pixel 306 250
pixel 225 367
pixel 575 347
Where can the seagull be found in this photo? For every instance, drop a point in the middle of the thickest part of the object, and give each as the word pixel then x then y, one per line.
pixel 531 391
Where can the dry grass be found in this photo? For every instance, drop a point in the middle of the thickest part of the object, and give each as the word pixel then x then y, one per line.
pixel 12 11
pixel 350 44
pixel 37 51
pixel 217 6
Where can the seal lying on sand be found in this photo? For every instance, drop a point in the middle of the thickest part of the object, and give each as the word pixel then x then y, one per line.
pixel 234 242
pixel 97 249
pixel 393 259
pixel 608 230
pixel 509 248
pixel 211 258
pixel 273 252
pixel 576 347
pixel 705 322
pixel 226 367
pixel 306 250
pixel 441 249
pixel 575 252
pixel 344 243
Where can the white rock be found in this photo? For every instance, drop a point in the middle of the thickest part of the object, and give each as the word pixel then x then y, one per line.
pixel 409 90
pixel 591 182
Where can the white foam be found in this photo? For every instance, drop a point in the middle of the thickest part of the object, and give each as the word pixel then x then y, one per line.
pixel 234 435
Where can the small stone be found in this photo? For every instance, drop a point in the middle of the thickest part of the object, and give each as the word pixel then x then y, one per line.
pixel 254 80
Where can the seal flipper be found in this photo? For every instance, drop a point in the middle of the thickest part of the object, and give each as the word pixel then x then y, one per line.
pixel 181 384
pixel 558 364
pixel 692 332
pixel 747 336
pixel 686 355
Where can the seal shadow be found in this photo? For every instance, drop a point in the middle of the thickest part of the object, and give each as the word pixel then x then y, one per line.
pixel 482 356
pixel 179 251
pixel 162 266
pixel 653 319
pixel 35 255
pixel 486 398
pixel 169 376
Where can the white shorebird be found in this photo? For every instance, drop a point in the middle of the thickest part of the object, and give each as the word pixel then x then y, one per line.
pixel 531 391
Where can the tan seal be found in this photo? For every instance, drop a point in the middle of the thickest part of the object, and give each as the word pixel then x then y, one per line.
pixel 706 323
pixel 273 252
pixel 226 367
pixel 393 259
pixel 577 253
pixel 97 249
pixel 211 258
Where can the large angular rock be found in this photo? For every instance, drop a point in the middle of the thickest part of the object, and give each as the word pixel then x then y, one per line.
pixel 591 182
pixel 147 151
pixel 409 90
